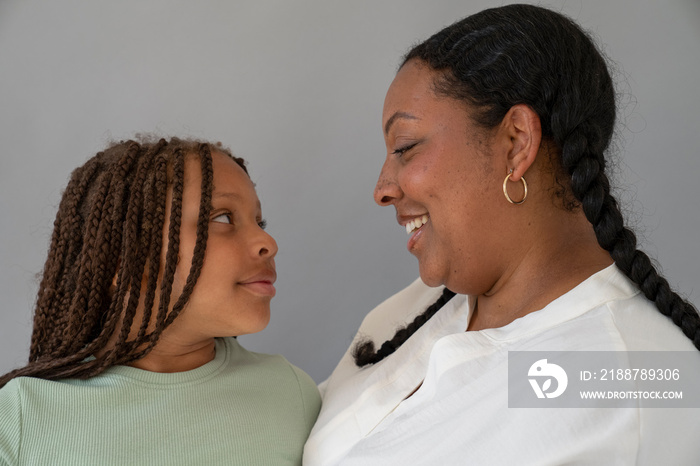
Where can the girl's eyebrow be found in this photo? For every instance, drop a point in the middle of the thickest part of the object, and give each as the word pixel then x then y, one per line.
pixel 234 196
pixel 229 195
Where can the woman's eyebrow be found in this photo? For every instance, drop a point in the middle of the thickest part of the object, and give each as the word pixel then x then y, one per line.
pixel 395 117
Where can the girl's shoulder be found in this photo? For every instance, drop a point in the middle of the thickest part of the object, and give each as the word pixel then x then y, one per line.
pixel 276 373
pixel 11 419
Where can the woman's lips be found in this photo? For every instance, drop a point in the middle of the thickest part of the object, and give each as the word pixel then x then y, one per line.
pixel 416 222
pixel 414 225
pixel 414 237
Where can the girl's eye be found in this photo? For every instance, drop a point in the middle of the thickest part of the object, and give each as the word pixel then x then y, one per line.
pixel 402 150
pixel 223 218
pixel 262 224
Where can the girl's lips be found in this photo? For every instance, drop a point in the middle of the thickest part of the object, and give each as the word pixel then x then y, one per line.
pixel 261 283
pixel 262 288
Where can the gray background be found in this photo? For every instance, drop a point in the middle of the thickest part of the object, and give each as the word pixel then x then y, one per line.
pixel 297 87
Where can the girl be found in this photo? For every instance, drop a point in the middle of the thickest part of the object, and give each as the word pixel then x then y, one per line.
pixel 158 257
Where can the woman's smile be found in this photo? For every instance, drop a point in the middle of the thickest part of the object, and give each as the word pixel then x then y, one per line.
pixel 445 186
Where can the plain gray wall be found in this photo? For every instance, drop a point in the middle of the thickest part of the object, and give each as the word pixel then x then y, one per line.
pixel 297 87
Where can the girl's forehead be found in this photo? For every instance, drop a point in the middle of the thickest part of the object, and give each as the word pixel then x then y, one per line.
pixel 230 179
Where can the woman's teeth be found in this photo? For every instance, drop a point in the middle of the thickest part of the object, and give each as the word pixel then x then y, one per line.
pixel 416 223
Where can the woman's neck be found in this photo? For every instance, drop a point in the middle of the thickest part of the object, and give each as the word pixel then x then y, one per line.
pixel 561 258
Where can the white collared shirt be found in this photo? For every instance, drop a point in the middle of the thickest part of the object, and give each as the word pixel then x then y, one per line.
pixel 460 414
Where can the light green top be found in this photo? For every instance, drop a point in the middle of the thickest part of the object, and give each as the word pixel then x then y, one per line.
pixel 242 408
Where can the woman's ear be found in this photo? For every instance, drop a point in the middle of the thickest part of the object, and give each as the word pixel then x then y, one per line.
pixel 522 125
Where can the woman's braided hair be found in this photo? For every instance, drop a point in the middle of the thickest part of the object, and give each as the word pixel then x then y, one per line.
pixel 110 222
pixel 524 54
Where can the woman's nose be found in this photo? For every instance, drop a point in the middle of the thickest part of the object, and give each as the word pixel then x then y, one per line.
pixel 387 190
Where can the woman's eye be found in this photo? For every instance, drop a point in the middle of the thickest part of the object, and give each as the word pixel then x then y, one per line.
pixel 262 224
pixel 223 218
pixel 401 150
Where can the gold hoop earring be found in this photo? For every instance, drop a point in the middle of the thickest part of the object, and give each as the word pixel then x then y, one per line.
pixel 505 189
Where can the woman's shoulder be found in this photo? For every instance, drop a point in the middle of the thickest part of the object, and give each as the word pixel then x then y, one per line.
pixel 643 328
pixel 606 311
pixel 641 325
pixel 398 310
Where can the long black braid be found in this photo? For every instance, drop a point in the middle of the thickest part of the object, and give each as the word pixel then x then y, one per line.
pixel 524 54
pixel 364 352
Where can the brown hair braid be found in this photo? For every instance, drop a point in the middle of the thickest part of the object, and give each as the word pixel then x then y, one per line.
pixel 110 222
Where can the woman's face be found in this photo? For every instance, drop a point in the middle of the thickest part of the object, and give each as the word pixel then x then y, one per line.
pixel 232 295
pixel 440 168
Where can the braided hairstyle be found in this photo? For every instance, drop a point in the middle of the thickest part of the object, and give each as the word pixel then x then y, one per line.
pixel 110 223
pixel 524 54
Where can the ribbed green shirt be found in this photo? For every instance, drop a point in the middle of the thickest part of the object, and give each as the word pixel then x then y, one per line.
pixel 242 408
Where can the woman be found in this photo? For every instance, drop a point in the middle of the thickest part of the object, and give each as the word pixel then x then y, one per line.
pixel 158 257
pixel 496 129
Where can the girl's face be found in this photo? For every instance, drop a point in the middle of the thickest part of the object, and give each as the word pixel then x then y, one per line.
pixel 232 295
pixel 439 172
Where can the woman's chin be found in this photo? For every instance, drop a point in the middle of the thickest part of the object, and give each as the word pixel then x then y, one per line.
pixel 430 276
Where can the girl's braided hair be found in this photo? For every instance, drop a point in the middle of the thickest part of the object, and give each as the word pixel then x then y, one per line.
pixel 110 223
pixel 524 54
